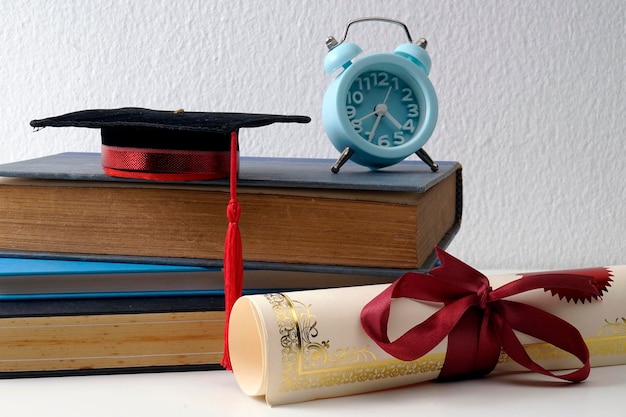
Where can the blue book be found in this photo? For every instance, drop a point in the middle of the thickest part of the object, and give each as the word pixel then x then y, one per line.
pixel 33 278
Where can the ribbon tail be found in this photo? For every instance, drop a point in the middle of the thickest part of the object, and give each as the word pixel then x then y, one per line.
pixel 543 326
pixel 583 285
pixel 420 339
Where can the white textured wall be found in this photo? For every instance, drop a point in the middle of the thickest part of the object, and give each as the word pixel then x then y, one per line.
pixel 532 97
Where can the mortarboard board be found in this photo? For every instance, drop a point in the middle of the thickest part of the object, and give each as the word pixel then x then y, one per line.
pixel 165 145
pixel 177 146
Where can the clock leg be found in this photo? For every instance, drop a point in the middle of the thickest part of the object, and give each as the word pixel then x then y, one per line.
pixel 427 159
pixel 343 158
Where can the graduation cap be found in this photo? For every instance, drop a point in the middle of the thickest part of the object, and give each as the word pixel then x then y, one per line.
pixel 178 146
pixel 165 145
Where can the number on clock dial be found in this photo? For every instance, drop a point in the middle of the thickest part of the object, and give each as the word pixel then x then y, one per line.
pixel 382 108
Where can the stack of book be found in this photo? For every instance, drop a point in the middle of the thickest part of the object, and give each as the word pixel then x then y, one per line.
pixel 108 275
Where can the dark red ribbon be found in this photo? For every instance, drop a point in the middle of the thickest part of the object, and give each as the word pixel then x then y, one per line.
pixel 478 321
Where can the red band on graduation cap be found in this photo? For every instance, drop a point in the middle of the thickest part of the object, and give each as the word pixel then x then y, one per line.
pixel 165 164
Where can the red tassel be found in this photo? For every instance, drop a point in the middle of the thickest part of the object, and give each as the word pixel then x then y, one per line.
pixel 233 258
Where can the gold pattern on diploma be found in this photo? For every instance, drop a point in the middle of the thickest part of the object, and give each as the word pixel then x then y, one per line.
pixel 310 361
pixel 609 340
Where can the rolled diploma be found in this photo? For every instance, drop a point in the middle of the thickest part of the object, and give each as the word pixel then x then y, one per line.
pixel 304 345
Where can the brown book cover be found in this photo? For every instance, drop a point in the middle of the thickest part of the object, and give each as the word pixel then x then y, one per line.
pixel 294 212
pixel 50 337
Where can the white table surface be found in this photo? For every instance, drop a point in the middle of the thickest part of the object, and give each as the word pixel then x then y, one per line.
pixel 215 393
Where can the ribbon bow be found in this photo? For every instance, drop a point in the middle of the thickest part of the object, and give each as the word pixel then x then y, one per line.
pixel 478 321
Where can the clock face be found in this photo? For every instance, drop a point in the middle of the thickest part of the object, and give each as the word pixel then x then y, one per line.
pixel 382 108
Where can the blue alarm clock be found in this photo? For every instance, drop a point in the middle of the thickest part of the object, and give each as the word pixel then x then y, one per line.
pixel 382 107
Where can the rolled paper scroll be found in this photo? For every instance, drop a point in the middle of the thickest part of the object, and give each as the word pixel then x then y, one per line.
pixel 305 345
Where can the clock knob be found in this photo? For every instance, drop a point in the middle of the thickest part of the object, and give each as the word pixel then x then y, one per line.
pixel 416 53
pixel 340 55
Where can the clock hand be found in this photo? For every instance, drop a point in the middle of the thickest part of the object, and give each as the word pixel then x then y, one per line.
pixel 379 108
pixel 393 120
pixel 376 122
pixel 366 116
pixel 387 95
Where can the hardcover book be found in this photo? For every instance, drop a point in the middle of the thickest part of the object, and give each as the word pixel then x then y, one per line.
pixel 110 335
pixel 68 317
pixel 295 212
pixel 33 278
